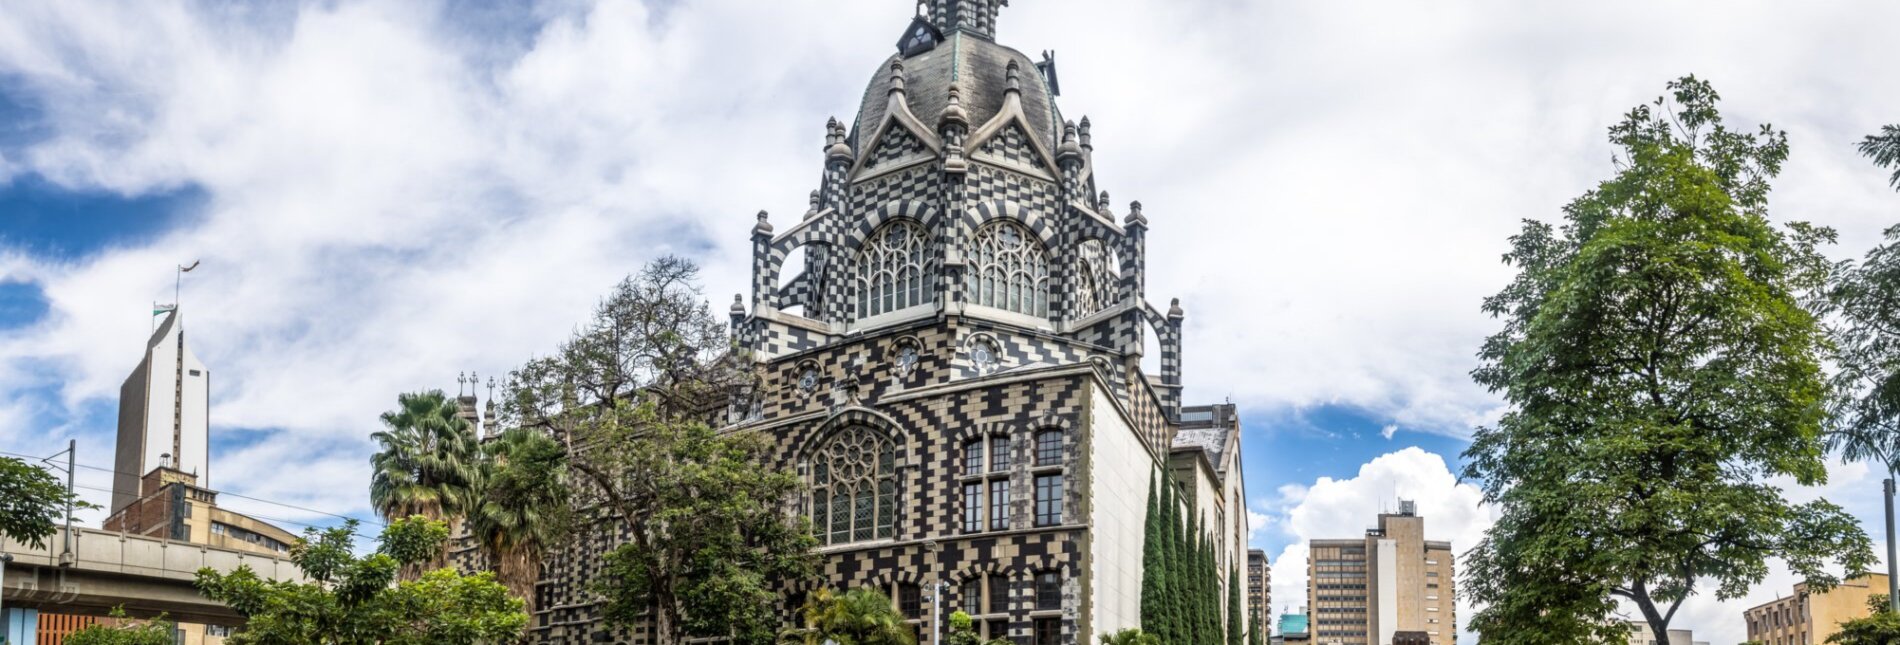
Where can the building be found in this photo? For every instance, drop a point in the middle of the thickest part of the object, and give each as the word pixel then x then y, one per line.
pixel 174 507
pixel 1259 585
pixel 1808 617
pixel 1364 591
pixel 164 409
pixel 958 366
pixel 1640 635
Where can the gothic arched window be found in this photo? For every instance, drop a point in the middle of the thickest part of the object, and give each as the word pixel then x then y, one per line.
pixel 890 273
pixel 1096 268
pixel 854 487
pixel 1008 270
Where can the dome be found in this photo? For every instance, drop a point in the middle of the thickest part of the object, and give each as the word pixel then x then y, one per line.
pixel 980 69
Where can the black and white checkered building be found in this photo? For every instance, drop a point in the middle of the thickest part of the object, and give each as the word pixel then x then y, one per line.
pixel 955 366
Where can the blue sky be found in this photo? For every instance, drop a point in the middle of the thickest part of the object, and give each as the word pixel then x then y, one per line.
pixel 385 194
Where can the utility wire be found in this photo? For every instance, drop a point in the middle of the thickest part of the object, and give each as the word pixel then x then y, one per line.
pixel 228 494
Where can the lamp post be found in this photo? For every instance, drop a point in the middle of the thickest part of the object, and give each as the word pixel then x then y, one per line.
pixel 1893 571
pixel 936 611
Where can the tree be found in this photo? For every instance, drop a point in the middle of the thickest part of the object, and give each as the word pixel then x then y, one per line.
pixel 1865 300
pixel 427 465
pixel 1257 635
pixel 1153 579
pixel 1659 368
pixel 157 631
pixel 710 539
pixel 1880 627
pixel 1130 637
pixel 1884 149
pixel 352 600
pixel 32 502
pixel 1234 628
pixel 963 632
pixel 856 617
pixel 523 506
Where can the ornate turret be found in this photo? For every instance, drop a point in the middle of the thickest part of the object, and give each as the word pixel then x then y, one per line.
pixel 973 16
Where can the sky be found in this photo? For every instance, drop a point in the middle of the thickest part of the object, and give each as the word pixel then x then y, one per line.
pixel 387 194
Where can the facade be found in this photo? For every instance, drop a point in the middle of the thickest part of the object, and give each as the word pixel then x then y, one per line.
pixel 164 409
pixel 174 507
pixel 956 366
pixel 1259 584
pixel 1365 591
pixel 1809 617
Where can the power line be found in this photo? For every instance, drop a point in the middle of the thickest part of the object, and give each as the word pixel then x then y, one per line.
pixel 225 493
pixel 261 517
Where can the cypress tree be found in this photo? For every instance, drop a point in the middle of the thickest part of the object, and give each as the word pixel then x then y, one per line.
pixel 1197 585
pixel 1176 624
pixel 1152 586
pixel 1233 606
pixel 1210 587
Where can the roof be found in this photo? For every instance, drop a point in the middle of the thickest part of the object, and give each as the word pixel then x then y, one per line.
pixel 979 68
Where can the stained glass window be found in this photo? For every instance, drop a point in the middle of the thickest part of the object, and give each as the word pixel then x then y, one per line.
pixel 854 487
pixel 890 273
pixel 1008 269
pixel 1096 268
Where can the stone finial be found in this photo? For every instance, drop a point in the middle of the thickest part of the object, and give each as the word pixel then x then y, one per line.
pixel 835 148
pixel 1174 310
pixel 897 77
pixel 1134 215
pixel 738 305
pixel 1069 150
pixel 812 210
pixel 1083 131
pixel 1015 75
pixel 764 227
pixel 954 113
pixel 1104 204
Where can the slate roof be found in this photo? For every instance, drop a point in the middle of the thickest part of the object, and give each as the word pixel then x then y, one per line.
pixel 979 67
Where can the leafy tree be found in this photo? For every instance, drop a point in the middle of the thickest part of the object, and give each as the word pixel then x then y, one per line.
pixel 1884 149
pixel 1153 578
pixel 151 632
pixel 1130 637
pixel 963 632
pixel 351 600
pixel 1660 368
pixel 856 617
pixel 523 507
pixel 32 502
pixel 1234 628
pixel 1257 635
pixel 1865 300
pixel 629 396
pixel 427 465
pixel 1880 627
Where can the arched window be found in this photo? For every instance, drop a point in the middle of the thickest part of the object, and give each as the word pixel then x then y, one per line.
pixel 854 487
pixel 890 272
pixel 1096 268
pixel 1008 270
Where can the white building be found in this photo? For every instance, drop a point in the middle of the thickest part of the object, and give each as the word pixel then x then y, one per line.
pixel 163 414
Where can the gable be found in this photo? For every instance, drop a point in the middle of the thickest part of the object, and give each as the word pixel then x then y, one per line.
pixel 898 144
pixel 1012 146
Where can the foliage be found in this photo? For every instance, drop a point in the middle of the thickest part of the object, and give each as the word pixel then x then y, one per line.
pixel 152 632
pixel 1181 601
pixel 1880 627
pixel 1865 299
pixel 630 397
pixel 1257 635
pixel 1234 628
pixel 32 502
pixel 523 506
pixel 856 617
pixel 1884 149
pixel 1660 368
pixel 1130 637
pixel 963 632
pixel 352 600
pixel 427 465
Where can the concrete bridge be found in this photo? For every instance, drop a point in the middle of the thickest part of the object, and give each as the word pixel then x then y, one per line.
pixel 147 576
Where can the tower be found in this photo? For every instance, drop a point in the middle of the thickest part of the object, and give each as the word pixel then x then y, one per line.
pixel 163 414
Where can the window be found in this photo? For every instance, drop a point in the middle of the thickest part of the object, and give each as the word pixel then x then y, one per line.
pixel 1096 268
pixel 999 593
pixel 973 457
pixel 1048 500
pixel 890 273
pixel 1008 270
pixel 217 630
pixel 983 357
pixel 854 487
pixel 998 629
pixel 970 596
pixel 910 600
pixel 1048 591
pixel 999 454
pixel 1049 448
pixel 1048 631
pixel 972 507
pixel 999 505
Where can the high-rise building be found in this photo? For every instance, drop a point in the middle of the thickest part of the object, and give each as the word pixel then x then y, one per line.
pixel 1809 616
pixel 955 368
pixel 164 409
pixel 1366 591
pixel 1259 581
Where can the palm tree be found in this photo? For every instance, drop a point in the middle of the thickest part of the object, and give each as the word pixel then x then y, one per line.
pixel 1884 149
pixel 523 506
pixel 856 617
pixel 427 464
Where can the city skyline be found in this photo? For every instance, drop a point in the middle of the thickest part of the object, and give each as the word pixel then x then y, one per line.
pixel 530 136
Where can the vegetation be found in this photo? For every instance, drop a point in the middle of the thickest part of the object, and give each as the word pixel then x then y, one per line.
pixel 1130 637
pixel 1660 367
pixel 1884 149
pixel 1880 627
pixel 32 502
pixel 151 632
pixel 630 397
pixel 351 599
pixel 428 465
pixel 963 632
pixel 522 507
pixel 1180 586
pixel 856 617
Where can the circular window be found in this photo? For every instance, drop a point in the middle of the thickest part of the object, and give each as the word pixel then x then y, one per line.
pixel 906 358
pixel 808 380
pixel 983 357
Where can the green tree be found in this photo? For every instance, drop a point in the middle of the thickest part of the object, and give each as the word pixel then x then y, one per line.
pixel 856 617
pixel 32 502
pixel 1130 637
pixel 1234 628
pixel 1884 149
pixel 351 600
pixel 427 464
pixel 523 507
pixel 630 395
pixel 1153 577
pixel 1659 368
pixel 1257 635
pixel 1865 300
pixel 963 632
pixel 1880 627
pixel 157 631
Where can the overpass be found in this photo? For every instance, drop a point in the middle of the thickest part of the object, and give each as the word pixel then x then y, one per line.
pixel 146 575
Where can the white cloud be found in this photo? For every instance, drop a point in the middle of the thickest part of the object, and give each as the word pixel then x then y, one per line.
pixel 1389 430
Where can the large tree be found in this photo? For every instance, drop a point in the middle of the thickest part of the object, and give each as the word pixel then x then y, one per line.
pixel 857 617
pixel 631 396
pixel 427 464
pixel 351 600
pixel 523 507
pixel 1884 149
pixel 32 502
pixel 1660 369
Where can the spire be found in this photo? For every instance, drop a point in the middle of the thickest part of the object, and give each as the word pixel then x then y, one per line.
pixel 973 16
